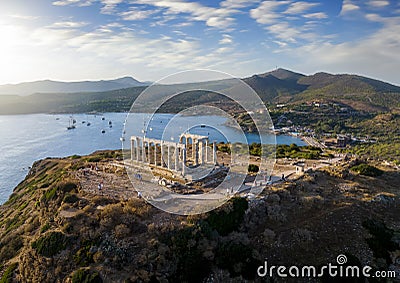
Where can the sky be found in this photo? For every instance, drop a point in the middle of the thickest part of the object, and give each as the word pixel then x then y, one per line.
pixel 73 40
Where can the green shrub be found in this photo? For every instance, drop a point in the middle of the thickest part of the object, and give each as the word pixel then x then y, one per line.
pixel 44 185
pixel 83 256
pixel 49 194
pixel 66 186
pixel 191 265
pixel 13 223
pixel 70 198
pixel 8 274
pixel 255 149
pixel 10 246
pixel 367 170
pixel 224 148
pixel 61 187
pixel 84 275
pixel 95 158
pixel 225 222
pixel 50 244
pixel 238 259
pixel 381 242
pixel 253 168
pixel 45 227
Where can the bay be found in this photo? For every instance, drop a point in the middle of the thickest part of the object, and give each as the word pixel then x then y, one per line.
pixel 27 138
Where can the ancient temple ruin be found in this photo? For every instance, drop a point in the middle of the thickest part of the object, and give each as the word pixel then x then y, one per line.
pixel 191 151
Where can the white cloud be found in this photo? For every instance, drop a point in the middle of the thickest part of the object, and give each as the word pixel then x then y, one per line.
pixel 134 14
pixel 109 6
pixel 217 17
pixel 378 3
pixel 348 6
pixel 224 50
pixel 183 24
pixel 277 16
pixel 318 15
pixel 24 17
pixel 213 17
pixel 219 22
pixel 299 7
pixel 108 50
pixel 238 3
pixel 179 33
pixel 374 17
pixel 80 3
pixel 226 39
pixel 65 2
pixel 280 43
pixel 374 56
pixel 284 31
pixel 266 12
pixel 69 24
pixel 115 25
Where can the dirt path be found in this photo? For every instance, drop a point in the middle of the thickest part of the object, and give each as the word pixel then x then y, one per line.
pixel 117 186
pixel 111 180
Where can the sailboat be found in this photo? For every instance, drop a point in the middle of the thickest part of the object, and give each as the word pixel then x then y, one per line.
pixel 87 119
pixel 71 126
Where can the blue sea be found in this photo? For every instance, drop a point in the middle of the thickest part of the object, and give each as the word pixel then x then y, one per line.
pixel 27 138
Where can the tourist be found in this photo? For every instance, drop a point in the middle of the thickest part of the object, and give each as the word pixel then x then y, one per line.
pixel 283 177
pixel 99 186
pixel 139 194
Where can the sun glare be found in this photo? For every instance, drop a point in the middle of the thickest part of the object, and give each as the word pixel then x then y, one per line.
pixel 13 49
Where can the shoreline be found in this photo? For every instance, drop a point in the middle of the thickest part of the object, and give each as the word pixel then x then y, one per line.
pixel 281 166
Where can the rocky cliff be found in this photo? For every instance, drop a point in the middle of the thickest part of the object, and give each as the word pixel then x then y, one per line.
pixel 56 228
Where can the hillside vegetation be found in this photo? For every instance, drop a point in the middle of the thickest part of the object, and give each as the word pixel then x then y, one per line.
pixel 279 86
pixel 51 230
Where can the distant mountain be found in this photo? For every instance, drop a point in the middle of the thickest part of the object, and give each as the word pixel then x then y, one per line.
pixel 361 93
pixel 277 83
pixel 48 86
pixel 278 86
pixel 284 74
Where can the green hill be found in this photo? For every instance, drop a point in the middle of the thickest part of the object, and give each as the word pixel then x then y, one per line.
pixel 278 86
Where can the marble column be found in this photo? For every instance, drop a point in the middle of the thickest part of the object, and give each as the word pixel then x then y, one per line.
pixel 183 161
pixel 202 152
pixel 194 150
pixel 168 157
pixel 137 149
pixel 155 154
pixel 206 152
pixel 176 157
pixel 148 152
pixel 144 151
pixel 214 153
pixel 132 149
pixel 187 143
pixel 162 154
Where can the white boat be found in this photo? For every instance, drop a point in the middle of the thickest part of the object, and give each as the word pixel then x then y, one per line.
pixel 71 125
